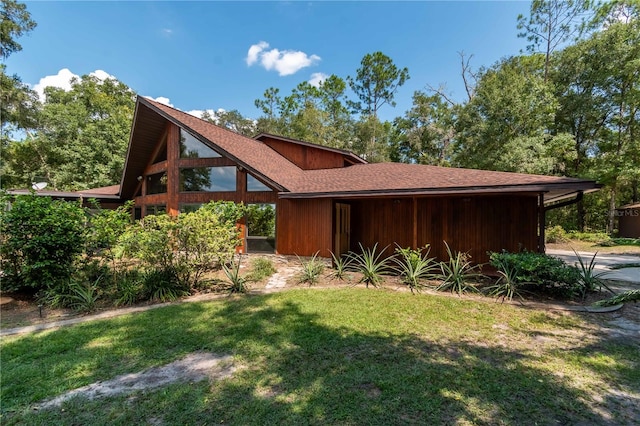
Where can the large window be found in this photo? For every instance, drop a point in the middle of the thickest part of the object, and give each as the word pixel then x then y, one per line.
pixel 189 207
pixel 190 147
pixel 254 185
pixel 208 179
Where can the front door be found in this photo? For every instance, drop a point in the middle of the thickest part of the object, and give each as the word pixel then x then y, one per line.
pixel 342 235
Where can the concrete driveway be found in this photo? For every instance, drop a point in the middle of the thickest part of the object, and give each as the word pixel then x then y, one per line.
pixel 603 261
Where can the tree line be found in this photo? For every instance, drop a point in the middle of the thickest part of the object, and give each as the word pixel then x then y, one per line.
pixel 568 106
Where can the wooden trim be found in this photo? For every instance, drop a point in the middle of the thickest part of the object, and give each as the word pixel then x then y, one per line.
pixel 541 223
pixel 184 163
pixel 155 168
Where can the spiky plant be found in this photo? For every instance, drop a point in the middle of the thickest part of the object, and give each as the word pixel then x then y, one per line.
pixel 370 264
pixel 311 269
pixel 458 272
pixel 414 266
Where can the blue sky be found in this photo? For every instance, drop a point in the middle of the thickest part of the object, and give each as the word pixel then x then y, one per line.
pixel 196 54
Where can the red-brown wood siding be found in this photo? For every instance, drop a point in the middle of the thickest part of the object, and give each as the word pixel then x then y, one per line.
pixel 306 157
pixel 474 224
pixel 304 227
pixel 629 223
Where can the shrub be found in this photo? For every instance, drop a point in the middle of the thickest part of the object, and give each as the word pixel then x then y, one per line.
pixel 106 226
pixel 370 264
pixel 415 266
pixel 507 285
pixel 588 279
pixel 186 246
pixel 539 272
pixel 39 240
pixel 311 269
pixel 458 272
pixel 83 297
pixel 261 268
pixel 163 285
pixel 556 234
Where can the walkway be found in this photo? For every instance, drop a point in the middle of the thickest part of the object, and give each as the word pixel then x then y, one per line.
pixel 603 263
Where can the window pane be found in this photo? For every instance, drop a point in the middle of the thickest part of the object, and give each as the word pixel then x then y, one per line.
pixel 189 208
pixel 208 179
pixel 157 184
pixel 190 147
pixel 254 185
pixel 155 210
pixel 261 228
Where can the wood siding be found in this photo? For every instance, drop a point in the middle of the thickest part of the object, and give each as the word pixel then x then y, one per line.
pixel 474 224
pixel 304 226
pixel 629 222
pixel 306 157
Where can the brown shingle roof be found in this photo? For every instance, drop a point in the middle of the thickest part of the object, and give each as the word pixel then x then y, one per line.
pixel 385 178
pixel 105 190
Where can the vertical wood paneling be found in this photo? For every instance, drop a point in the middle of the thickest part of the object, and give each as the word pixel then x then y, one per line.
pixel 305 157
pixel 304 227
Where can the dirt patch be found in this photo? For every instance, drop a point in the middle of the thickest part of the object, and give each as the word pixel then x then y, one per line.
pixel 194 367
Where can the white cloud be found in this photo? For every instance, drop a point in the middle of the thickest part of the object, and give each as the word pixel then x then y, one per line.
pixel 162 100
pixel 63 79
pixel 200 112
pixel 317 78
pixel 286 62
pixel 254 51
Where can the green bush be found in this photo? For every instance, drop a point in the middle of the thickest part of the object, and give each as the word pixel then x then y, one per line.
pixel 541 272
pixel 459 273
pixel 556 234
pixel 589 237
pixel 39 240
pixel 414 266
pixel 106 226
pixel 186 246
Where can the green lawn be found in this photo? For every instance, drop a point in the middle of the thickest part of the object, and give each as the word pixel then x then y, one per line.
pixel 334 356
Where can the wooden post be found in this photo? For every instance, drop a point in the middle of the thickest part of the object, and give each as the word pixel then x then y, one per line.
pixel 415 223
pixel 173 171
pixel 541 223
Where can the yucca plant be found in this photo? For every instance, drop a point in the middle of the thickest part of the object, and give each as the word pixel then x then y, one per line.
pixel 415 266
pixel 627 296
pixel 371 264
pixel 507 285
pixel 238 284
pixel 341 265
pixel 83 298
pixel 311 269
pixel 589 279
pixel 458 272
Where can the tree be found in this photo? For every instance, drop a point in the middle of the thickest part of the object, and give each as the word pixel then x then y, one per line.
pixel 16 21
pixel 425 133
pixel 551 23
pixel 376 83
pixel 82 137
pixel 232 120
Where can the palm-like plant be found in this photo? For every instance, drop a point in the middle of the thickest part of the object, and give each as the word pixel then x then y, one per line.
pixel 589 279
pixel 458 272
pixel 311 269
pixel 414 266
pixel 372 265
pixel 341 265
pixel 238 283
pixel 507 285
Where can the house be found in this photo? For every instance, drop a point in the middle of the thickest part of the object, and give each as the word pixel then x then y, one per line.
pixel 329 200
pixel 629 221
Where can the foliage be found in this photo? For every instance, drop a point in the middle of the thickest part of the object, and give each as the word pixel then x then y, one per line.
pixel 341 264
pixel 556 234
pixel 370 264
pixel 625 297
pixel 415 266
pixel 16 21
pixel 232 272
pixel 591 237
pixel 83 297
pixel 106 226
pixel 261 268
pixel 185 247
pixel 163 284
pixel 590 280
pixel 539 271
pixel 311 269
pixel 507 285
pixel 129 287
pixel 261 220
pixel 458 272
pixel 40 239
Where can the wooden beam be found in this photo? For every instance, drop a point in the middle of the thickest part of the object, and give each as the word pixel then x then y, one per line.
pixel 173 172
pixel 541 223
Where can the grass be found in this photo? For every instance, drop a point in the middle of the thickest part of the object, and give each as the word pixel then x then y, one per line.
pixel 347 356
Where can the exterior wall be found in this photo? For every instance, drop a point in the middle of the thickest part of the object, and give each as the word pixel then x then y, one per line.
pixel 629 222
pixel 304 226
pixel 306 157
pixel 476 224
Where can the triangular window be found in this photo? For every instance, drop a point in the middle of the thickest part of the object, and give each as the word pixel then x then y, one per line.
pixel 190 147
pixel 254 185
